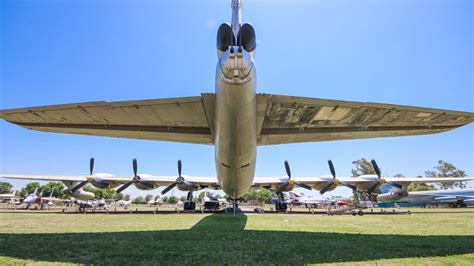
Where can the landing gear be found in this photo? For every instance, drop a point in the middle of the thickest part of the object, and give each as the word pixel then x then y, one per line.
pixel 280 204
pixel 189 204
pixel 235 206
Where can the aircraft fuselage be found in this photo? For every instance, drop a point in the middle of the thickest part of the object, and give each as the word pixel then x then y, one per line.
pixel 235 121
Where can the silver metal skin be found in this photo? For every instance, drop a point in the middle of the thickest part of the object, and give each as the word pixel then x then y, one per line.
pixel 235 122
pixel 80 194
pixel 236 6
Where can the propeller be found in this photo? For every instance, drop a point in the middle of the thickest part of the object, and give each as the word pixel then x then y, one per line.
pixel 380 180
pixel 291 181
pixel 83 183
pixel 334 180
pixel 179 180
pixel 135 178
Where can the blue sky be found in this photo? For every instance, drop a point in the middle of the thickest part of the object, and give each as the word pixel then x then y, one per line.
pixel 403 52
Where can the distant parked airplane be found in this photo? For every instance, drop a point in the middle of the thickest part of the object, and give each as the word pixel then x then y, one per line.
pixel 296 199
pixel 453 198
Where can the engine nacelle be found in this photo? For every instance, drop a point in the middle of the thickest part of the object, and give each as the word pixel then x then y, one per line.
pixel 468 202
pixel 142 184
pixel 99 182
pixel 447 199
pixel 80 194
pixel 391 196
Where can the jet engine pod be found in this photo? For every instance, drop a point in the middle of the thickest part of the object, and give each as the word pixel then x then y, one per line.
pixel 225 37
pixel 247 37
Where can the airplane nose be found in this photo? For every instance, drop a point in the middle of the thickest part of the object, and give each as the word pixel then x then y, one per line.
pixel 236 65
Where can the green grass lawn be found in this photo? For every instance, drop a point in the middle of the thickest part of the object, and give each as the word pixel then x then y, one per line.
pixel 432 236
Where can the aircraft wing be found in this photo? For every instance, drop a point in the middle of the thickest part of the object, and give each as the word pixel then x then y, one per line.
pixel 184 119
pixel 112 179
pixel 289 119
pixel 274 182
pixel 47 177
pixel 403 181
pixel 200 181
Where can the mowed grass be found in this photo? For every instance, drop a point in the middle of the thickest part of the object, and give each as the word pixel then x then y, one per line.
pixel 433 236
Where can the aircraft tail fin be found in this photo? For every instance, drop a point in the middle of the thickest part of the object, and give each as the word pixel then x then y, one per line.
pixel 294 195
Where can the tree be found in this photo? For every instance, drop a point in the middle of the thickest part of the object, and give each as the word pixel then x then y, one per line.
pixel 420 187
pixel 138 200
pixel 172 200
pixel 126 197
pixel 118 196
pixel 250 195
pixel 148 197
pixel 101 193
pixel 445 169
pixel 5 188
pixel 201 196
pixel 56 187
pixel 362 167
pixel 29 188
pixel 264 196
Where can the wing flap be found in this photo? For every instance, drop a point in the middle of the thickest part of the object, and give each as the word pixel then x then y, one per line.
pixel 175 119
pixel 289 119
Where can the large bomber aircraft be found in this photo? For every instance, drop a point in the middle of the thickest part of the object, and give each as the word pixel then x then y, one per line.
pixel 235 119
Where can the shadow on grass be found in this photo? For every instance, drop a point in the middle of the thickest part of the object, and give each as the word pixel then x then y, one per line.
pixel 221 239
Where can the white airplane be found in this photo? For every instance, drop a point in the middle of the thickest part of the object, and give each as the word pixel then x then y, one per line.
pixel 154 202
pixel 454 198
pixel 124 203
pixel 33 199
pixel 235 119
pixel 7 197
pixel 297 199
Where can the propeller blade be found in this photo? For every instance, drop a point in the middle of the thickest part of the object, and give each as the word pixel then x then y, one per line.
pixel 331 168
pixel 91 165
pixel 376 168
pixel 281 189
pixel 179 167
pixel 135 167
pixel 78 186
pixel 303 185
pixel 349 186
pixel 288 170
pixel 168 188
pixel 325 188
pixel 122 188
pixel 372 188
